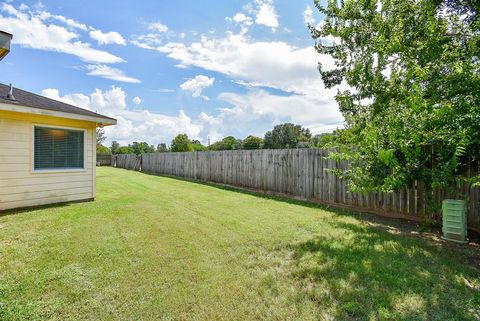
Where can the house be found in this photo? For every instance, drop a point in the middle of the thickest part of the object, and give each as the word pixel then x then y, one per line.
pixel 47 150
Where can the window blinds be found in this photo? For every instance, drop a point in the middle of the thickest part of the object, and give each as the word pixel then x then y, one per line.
pixel 58 148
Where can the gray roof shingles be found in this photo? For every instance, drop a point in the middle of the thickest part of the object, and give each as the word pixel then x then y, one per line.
pixel 25 98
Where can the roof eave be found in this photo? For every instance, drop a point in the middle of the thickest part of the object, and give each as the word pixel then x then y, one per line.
pixel 102 121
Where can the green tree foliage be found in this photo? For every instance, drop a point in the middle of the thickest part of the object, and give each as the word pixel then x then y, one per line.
pixel 142 148
pixel 327 140
pixel 103 149
pixel 162 148
pixel 100 135
pixel 228 143
pixel 114 147
pixel 125 150
pixel 413 107
pixel 305 144
pixel 252 142
pixel 322 140
pixel 199 147
pixel 181 143
pixel 134 148
pixel 286 136
pixel 216 146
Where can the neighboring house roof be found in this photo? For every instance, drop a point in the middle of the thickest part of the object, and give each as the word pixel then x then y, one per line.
pixel 42 105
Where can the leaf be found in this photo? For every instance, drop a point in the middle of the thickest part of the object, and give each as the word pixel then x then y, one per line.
pixel 386 156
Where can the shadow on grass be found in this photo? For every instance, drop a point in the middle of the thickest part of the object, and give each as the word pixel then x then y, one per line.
pixel 400 228
pixel 368 274
pixel 28 209
pixel 382 222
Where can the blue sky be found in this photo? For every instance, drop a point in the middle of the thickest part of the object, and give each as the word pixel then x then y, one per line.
pixel 204 68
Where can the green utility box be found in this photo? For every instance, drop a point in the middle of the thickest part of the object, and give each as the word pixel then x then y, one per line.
pixel 454 214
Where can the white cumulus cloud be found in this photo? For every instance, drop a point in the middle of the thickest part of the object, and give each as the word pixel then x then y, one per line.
pixel 243 115
pixel 78 100
pixel 242 20
pixel 308 16
pixel 281 80
pixel 32 31
pixel 266 14
pixel 109 101
pixel 158 27
pixel 45 15
pixel 258 111
pixel 106 38
pixel 132 125
pixel 157 34
pixel 262 67
pixel 196 85
pixel 273 64
pixel 108 72
pixel 137 100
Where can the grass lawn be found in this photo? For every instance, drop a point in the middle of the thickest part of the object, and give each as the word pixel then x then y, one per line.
pixel 154 248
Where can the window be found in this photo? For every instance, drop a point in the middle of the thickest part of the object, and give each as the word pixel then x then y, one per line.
pixel 56 148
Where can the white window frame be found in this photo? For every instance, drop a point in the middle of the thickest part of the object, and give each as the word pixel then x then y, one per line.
pixel 59 170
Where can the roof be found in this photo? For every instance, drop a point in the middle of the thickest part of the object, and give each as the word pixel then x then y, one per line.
pixel 28 99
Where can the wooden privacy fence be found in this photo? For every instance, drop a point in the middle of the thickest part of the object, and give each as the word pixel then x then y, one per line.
pixel 104 159
pixel 297 172
pixel 127 161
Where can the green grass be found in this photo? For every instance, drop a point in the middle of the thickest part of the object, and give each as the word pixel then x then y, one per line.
pixel 154 248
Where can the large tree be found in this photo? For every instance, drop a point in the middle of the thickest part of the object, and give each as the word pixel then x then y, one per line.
pixel 125 150
pixel 227 143
pixel 162 148
pixel 252 142
pixel 198 146
pixel 115 147
pixel 323 140
pixel 287 136
pixel 412 103
pixel 142 148
pixel 100 137
pixel 181 143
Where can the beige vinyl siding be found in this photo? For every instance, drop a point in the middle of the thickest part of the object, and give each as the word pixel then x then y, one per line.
pixel 20 185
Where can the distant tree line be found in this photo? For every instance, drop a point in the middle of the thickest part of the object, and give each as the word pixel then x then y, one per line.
pixel 282 136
